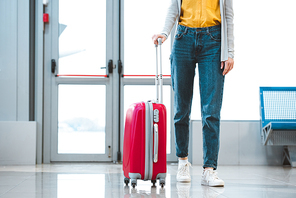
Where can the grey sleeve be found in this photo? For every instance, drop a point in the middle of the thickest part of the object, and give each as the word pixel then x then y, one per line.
pixel 229 20
pixel 172 14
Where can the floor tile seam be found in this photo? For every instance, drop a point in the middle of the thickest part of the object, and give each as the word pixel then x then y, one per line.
pixel 17 185
pixel 212 188
pixel 221 195
pixel 276 180
pixel 9 190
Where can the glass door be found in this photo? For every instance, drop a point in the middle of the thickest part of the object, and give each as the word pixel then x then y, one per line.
pixel 85 41
pixel 81 87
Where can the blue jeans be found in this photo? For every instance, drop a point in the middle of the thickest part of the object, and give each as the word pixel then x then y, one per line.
pixel 202 46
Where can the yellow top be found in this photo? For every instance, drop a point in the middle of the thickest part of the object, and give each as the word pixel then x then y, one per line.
pixel 200 13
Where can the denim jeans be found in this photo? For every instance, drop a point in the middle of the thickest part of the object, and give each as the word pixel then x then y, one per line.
pixel 202 46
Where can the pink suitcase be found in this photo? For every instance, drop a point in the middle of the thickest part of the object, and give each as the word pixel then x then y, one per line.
pixel 144 148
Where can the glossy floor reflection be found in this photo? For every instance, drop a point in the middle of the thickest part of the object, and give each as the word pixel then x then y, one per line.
pixel 106 180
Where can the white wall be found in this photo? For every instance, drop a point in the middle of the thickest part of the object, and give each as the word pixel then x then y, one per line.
pixel 17 143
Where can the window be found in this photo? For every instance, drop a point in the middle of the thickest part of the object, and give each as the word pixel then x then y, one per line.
pixel 264 56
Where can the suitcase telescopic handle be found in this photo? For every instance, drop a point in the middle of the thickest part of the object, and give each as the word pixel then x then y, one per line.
pixel 155 155
pixel 159 89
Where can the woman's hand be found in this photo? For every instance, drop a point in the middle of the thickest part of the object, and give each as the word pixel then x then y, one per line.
pixel 156 36
pixel 228 66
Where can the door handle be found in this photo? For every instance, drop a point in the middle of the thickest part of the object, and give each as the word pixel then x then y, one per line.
pixel 109 155
pixel 110 66
pixel 53 66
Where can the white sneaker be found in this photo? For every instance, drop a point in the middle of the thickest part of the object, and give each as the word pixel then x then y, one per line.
pixel 209 178
pixel 183 174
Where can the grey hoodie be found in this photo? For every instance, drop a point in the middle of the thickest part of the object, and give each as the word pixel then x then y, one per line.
pixel 227 38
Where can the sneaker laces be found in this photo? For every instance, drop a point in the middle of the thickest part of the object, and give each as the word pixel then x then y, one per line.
pixel 184 170
pixel 213 174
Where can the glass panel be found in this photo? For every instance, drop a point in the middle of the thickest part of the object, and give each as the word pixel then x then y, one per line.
pixel 80 185
pixel 82 37
pixel 81 119
pixel 145 93
pixel 139 26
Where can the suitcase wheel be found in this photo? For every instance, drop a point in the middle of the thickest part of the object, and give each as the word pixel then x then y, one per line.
pixel 126 181
pixel 161 182
pixel 133 183
pixel 153 182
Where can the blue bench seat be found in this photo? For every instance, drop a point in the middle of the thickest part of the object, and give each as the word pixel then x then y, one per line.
pixel 282 125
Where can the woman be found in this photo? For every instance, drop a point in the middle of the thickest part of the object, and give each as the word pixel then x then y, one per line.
pixel 205 36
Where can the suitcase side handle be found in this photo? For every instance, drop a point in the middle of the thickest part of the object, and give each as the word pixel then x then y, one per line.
pixel 155 156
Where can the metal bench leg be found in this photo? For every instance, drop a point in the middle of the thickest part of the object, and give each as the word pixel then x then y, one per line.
pixel 290 155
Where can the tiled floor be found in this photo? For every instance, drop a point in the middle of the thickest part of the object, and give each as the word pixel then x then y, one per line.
pixel 106 180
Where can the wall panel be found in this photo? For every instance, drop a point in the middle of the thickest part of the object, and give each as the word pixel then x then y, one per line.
pixel 240 144
pixel 8 60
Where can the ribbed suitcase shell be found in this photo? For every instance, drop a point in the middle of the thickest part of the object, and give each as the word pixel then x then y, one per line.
pixel 135 142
